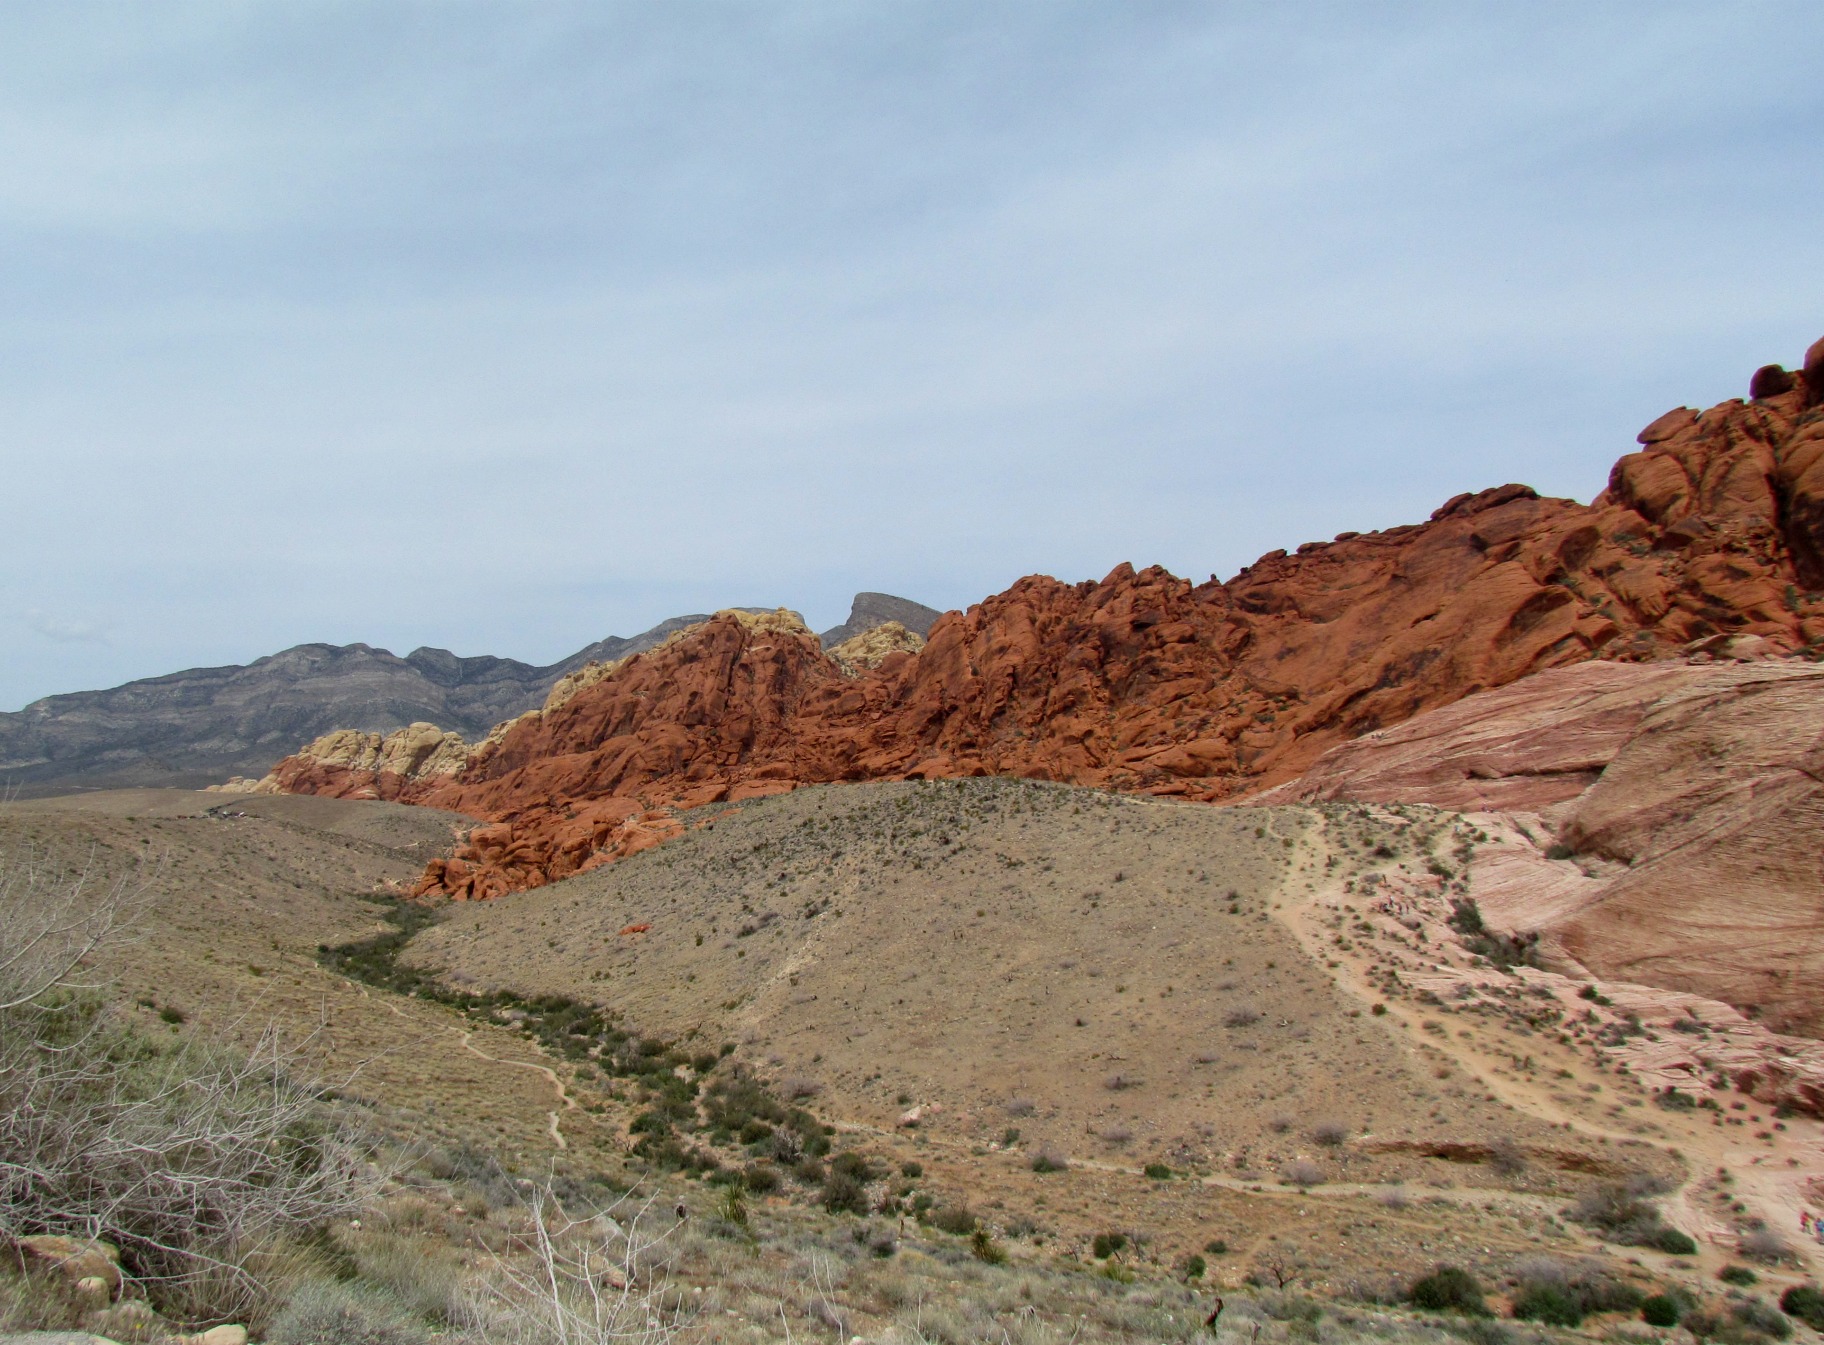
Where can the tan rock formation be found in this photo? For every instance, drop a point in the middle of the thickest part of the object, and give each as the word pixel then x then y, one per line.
pixel 867 651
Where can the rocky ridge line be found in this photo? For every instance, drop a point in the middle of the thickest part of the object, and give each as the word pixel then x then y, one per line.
pixel 1708 541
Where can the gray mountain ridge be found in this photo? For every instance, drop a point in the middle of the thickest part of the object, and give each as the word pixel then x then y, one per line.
pixel 200 726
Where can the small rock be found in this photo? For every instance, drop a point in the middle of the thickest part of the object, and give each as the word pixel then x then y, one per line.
pixel 230 1334
pixel 1668 425
pixel 77 1258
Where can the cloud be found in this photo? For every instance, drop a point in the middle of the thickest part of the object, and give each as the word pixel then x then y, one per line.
pixel 65 630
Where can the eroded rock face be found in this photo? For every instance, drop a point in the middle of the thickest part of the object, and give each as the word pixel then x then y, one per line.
pixel 1688 799
pixel 1711 537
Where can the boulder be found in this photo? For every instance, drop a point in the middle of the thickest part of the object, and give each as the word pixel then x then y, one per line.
pixel 75 1259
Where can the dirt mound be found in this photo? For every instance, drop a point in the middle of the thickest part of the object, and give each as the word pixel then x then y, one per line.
pixel 1711 537
pixel 1106 978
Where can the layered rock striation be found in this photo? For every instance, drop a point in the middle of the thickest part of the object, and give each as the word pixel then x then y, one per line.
pixel 1709 540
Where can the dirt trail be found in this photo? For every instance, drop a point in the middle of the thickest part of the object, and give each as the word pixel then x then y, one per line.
pixel 463 1039
pixel 563 1096
pixel 1767 1177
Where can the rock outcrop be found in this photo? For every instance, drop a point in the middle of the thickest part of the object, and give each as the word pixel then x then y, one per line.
pixel 1709 539
pixel 872 610
pixel 1682 803
pixel 191 728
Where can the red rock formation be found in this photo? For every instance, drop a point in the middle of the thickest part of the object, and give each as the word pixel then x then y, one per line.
pixel 1712 533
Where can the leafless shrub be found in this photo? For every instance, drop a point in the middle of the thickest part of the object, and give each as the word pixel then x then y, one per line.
pixel 1507 1158
pixel 54 918
pixel 1395 1198
pixel 1766 1246
pixel 1242 1015
pixel 1302 1172
pixel 1279 1124
pixel 580 1287
pixel 193 1157
pixel 1330 1134
pixel 1116 1134
pixel 1119 1082
pixel 1019 1106
pixel 799 1087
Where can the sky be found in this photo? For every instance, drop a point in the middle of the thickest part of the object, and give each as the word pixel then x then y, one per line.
pixel 505 327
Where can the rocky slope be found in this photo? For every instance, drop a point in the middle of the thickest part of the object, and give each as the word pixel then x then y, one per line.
pixel 1672 811
pixel 1711 538
pixel 190 728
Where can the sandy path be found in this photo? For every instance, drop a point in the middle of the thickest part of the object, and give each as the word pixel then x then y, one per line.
pixel 463 1038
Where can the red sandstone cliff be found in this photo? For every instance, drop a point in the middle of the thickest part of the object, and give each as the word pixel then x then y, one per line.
pixel 1711 536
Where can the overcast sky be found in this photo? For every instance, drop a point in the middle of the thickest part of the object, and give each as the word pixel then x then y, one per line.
pixel 507 327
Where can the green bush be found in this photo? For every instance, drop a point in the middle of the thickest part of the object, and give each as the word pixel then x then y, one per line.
pixel 1105 1245
pixel 1192 1267
pixel 1805 1302
pixel 761 1178
pixel 842 1194
pixel 959 1220
pixel 984 1248
pixel 1448 1289
pixel 1552 1304
pixel 1159 1172
pixel 1660 1310
pixel 1674 1243
pixel 1738 1275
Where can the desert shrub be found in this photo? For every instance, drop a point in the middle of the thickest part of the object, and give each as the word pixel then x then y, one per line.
pixel 761 1178
pixel 1660 1310
pixel 1758 1315
pixel 1217 1247
pixel 953 1218
pixel 1243 1015
pixel 1049 1160
pixel 1507 1158
pixel 1330 1133
pixel 1622 1212
pixel 984 1248
pixel 1765 1246
pixel 1159 1172
pixel 1193 1266
pixel 1302 1172
pixel 1805 1302
pixel 1738 1275
pixel 1105 1245
pixel 190 1155
pixel 852 1164
pixel 1552 1304
pixel 842 1194
pixel 412 1275
pixel 912 1168
pixel 335 1314
pixel 1448 1289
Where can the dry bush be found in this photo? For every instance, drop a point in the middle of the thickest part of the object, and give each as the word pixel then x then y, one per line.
pixel 577 1285
pixel 196 1159
pixel 1302 1172
pixel 1243 1015
pixel 1020 1106
pixel 1766 1246
pixel 1330 1134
